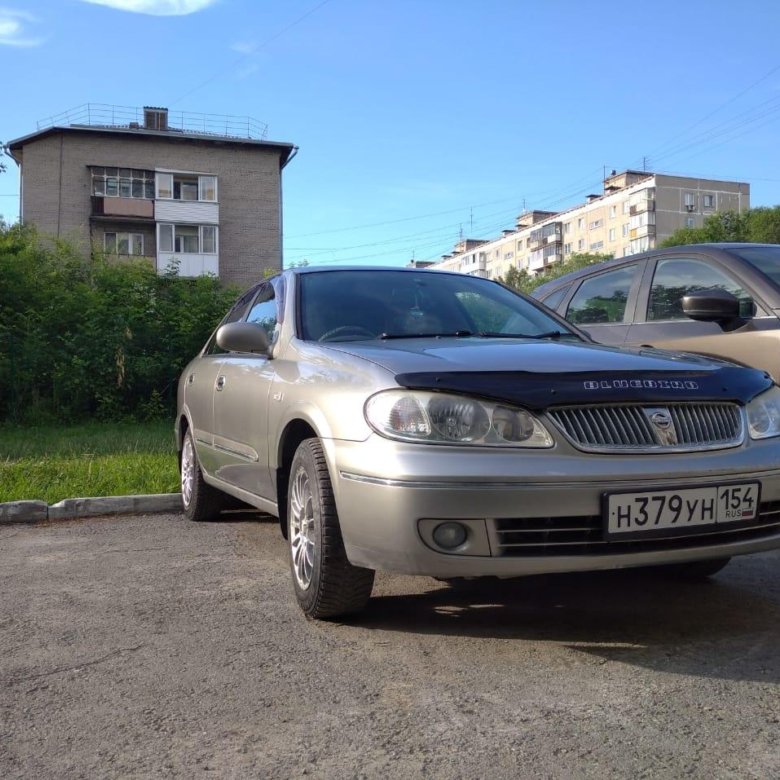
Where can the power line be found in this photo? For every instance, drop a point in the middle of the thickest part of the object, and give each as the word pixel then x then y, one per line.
pixel 254 51
pixel 714 111
pixel 728 127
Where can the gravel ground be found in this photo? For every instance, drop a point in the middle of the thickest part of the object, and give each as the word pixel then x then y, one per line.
pixel 146 646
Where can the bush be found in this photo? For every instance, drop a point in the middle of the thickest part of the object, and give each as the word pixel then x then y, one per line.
pixel 88 337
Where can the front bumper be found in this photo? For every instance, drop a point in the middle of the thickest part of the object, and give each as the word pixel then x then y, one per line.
pixel 389 495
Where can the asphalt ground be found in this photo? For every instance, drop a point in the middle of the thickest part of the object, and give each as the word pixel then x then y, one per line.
pixel 146 646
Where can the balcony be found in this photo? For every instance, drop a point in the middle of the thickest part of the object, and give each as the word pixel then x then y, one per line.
pixel 648 204
pixel 188 264
pixel 123 209
pixel 536 261
pixel 640 232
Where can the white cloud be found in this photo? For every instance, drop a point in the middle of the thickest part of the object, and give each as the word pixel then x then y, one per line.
pixel 244 47
pixel 13 28
pixel 156 7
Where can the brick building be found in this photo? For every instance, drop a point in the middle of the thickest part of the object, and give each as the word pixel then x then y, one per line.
pixel 200 192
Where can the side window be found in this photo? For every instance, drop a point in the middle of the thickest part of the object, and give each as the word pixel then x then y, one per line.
pixel 263 311
pixel 234 315
pixel 553 299
pixel 602 298
pixel 675 278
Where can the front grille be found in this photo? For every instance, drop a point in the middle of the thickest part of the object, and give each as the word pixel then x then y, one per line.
pixel 530 537
pixel 630 427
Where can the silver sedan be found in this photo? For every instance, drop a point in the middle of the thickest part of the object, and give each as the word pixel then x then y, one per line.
pixel 441 424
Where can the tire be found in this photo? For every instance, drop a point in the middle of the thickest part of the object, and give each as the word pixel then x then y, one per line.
pixel 694 570
pixel 326 584
pixel 199 500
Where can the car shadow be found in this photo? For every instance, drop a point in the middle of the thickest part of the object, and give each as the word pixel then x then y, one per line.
pixel 723 627
pixel 246 514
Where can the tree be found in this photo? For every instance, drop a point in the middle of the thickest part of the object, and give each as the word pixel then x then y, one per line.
pixel 764 225
pixel 760 225
pixel 524 282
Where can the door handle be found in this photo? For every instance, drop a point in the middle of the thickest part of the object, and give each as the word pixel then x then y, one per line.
pixel 220 382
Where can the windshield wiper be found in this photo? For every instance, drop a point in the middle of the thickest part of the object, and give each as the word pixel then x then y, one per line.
pixel 452 334
pixel 550 334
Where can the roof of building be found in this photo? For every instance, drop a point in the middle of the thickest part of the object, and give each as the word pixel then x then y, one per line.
pixel 285 149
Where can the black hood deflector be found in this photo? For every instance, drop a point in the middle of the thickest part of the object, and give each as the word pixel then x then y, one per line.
pixel 539 391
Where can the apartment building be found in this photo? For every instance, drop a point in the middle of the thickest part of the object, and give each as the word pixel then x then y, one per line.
pixel 636 211
pixel 195 192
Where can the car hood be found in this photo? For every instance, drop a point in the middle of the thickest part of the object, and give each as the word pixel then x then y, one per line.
pixel 539 374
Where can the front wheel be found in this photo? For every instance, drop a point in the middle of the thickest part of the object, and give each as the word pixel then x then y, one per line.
pixel 326 584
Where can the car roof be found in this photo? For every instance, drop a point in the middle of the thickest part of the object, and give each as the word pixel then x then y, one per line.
pixel 307 269
pixel 705 249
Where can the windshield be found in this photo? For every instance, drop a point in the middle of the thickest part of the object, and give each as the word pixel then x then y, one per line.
pixel 365 304
pixel 765 259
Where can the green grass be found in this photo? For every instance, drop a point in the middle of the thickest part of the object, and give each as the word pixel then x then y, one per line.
pixel 94 459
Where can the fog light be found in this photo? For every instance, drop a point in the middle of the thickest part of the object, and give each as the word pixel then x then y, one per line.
pixel 450 535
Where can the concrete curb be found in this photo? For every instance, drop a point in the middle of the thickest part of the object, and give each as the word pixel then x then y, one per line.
pixel 70 508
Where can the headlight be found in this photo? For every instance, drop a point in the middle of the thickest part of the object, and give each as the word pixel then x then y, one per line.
pixel 763 414
pixel 439 418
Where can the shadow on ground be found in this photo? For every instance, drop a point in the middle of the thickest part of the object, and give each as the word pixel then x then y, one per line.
pixel 721 627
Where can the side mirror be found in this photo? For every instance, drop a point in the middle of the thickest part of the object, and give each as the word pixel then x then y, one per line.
pixel 243 337
pixel 712 306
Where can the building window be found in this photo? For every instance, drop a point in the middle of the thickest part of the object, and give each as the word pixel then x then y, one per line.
pixel 597 223
pixel 612 212
pixel 708 201
pixel 567 249
pixel 122 182
pixel 690 222
pixel 186 186
pixel 612 234
pixel 598 245
pixel 580 223
pixel 626 207
pixel 187 239
pixel 690 201
pixel 625 229
pixel 123 243
pixel 581 244
pixel 508 255
pixel 567 228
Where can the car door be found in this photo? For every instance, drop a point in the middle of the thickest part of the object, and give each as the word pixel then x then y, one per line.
pixel 660 320
pixel 200 387
pixel 603 304
pixel 241 397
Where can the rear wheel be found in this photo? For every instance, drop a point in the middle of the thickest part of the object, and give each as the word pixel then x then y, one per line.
pixel 199 500
pixel 326 584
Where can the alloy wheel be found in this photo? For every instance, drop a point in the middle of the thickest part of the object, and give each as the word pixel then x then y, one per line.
pixel 187 470
pixel 302 533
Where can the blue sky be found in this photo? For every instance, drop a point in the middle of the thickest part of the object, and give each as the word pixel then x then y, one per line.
pixel 419 119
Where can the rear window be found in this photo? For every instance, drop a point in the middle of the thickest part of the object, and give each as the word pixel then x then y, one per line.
pixel 762 258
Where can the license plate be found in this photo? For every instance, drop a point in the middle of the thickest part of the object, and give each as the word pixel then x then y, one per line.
pixel 668 511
